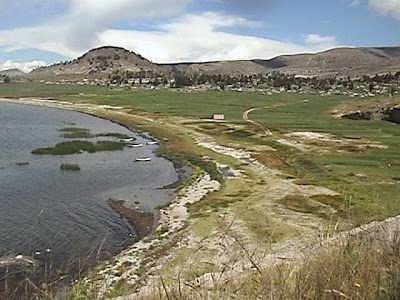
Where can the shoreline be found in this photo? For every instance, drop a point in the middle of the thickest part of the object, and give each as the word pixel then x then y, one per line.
pixel 144 223
pixel 168 225
pixel 178 243
pixel 89 109
pixel 172 221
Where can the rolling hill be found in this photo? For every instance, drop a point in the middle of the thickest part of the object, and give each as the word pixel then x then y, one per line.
pixel 101 62
pixel 12 73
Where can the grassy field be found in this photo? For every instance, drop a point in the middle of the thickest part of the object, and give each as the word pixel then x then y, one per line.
pixel 365 169
pixel 359 160
pixel 171 102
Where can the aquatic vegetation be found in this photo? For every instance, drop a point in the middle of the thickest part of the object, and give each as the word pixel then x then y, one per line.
pixel 109 146
pixel 70 167
pixel 116 135
pixel 75 133
pixel 74 147
pixel 83 133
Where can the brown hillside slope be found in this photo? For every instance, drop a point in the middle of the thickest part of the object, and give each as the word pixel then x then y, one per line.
pixel 340 61
pixel 352 62
pixel 99 62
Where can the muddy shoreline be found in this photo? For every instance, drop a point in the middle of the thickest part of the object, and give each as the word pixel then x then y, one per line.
pixel 141 221
pixel 182 176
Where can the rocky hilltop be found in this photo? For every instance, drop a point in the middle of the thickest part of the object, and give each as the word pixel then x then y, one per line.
pixel 101 62
pixel 98 62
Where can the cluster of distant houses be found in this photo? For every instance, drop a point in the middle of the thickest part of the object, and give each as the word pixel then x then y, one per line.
pixel 357 89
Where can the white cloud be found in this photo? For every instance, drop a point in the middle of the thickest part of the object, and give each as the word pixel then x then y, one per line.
pixel 25 66
pixel 49 38
pixel 386 7
pixel 353 3
pixel 200 38
pixel 318 42
pixel 106 10
pixel 188 38
pixel 202 46
pixel 77 31
pixel 208 21
pixel 96 15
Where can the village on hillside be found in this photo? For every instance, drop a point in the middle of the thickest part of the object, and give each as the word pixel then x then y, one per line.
pixel 275 82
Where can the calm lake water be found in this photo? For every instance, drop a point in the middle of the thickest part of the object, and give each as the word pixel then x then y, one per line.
pixel 43 207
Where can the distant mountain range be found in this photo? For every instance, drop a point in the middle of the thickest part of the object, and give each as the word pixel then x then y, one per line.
pixel 101 62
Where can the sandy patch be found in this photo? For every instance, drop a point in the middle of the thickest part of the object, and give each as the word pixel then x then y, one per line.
pixel 306 140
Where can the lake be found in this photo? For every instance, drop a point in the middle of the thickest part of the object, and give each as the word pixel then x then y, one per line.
pixel 62 217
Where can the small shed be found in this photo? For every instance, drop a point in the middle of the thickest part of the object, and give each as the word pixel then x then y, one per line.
pixel 218 117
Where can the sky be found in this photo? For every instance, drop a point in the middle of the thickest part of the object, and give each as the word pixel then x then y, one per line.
pixel 34 33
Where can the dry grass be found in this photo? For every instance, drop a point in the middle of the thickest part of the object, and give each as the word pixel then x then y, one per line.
pixel 302 181
pixel 270 159
pixel 366 268
pixel 355 270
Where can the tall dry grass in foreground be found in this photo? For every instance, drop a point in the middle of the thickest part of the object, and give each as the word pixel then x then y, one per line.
pixel 366 268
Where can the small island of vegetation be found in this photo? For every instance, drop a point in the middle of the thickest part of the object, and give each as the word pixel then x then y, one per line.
pixel 83 133
pixel 79 146
pixel 70 167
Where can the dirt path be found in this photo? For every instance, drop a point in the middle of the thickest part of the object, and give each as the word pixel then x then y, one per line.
pixel 266 130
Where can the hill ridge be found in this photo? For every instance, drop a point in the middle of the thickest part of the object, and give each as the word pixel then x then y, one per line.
pixel 345 61
pixel 12 72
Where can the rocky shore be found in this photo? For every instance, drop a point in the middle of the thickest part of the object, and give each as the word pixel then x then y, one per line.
pixel 129 264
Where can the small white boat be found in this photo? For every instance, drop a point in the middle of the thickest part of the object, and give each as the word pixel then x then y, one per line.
pixel 127 140
pixel 151 143
pixel 135 145
pixel 142 159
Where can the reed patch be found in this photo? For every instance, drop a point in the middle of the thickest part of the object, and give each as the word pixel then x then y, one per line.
pixel 76 147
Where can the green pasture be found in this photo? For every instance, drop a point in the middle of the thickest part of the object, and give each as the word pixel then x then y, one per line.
pixel 368 178
pixel 171 102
